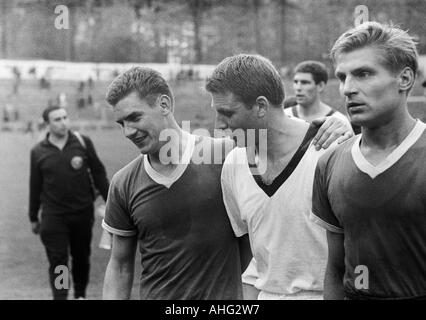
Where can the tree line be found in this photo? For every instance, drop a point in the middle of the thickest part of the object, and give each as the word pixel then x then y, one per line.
pixel 191 31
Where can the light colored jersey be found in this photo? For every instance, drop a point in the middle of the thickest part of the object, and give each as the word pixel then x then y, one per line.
pixel 334 113
pixel 289 251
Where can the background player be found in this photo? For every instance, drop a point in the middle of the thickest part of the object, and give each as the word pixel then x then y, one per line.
pixel 61 185
pixel 309 82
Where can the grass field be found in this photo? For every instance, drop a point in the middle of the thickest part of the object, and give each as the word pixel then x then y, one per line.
pixel 23 263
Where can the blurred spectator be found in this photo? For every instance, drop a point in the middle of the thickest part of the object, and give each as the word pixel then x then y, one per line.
pixel 90 100
pixel 62 100
pixel 29 128
pixel 16 80
pixel 81 86
pixel 44 83
pixel 90 83
pixel 33 72
pixel 6 116
pixel 81 102
pixel 10 113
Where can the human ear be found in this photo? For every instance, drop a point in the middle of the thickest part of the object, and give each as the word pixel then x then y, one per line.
pixel 165 104
pixel 406 79
pixel 321 86
pixel 262 104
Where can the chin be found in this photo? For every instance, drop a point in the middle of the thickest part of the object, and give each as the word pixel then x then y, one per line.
pixel 148 149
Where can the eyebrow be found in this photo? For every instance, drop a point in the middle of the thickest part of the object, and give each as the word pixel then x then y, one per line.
pixel 130 117
pixel 60 117
pixel 356 71
pixel 302 80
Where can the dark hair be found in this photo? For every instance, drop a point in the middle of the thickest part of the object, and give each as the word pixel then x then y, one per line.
pixel 247 77
pixel 398 46
pixel 148 83
pixel 48 110
pixel 316 68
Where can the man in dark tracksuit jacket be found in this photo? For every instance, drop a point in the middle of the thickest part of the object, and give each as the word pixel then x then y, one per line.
pixel 61 185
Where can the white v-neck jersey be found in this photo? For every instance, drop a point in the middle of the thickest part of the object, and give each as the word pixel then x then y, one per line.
pixel 289 250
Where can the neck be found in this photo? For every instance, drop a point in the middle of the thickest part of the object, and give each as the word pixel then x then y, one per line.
pixel 390 133
pixel 283 134
pixel 315 110
pixel 176 144
pixel 55 139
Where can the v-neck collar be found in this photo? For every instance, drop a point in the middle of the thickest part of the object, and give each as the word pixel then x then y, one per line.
pixel 373 171
pixel 271 189
pixel 167 181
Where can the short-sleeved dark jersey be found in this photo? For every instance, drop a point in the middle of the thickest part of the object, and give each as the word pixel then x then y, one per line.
pixel 381 210
pixel 188 249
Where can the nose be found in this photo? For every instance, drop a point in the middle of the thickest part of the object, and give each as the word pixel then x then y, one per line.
pixel 348 87
pixel 128 130
pixel 220 122
pixel 297 86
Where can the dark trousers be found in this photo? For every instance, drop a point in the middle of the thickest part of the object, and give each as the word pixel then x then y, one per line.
pixel 62 235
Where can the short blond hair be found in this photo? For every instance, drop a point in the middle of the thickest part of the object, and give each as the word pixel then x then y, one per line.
pixel 398 46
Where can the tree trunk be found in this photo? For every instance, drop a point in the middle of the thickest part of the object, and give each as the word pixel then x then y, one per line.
pixel 4 39
pixel 257 37
pixel 70 45
pixel 282 8
pixel 197 18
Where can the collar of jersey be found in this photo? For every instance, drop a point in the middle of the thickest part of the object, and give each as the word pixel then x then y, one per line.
pixel 167 181
pixel 392 158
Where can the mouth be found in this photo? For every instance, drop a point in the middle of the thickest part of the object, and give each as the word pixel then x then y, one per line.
pixel 352 106
pixel 138 140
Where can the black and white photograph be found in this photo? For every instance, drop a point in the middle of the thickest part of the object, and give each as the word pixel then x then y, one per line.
pixel 211 154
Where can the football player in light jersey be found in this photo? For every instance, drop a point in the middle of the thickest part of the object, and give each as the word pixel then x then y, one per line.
pixel 268 194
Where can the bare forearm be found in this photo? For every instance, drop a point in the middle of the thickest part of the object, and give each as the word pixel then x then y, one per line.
pixel 333 285
pixel 118 281
pixel 250 292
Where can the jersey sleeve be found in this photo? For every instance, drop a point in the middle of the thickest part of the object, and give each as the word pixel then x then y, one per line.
pixel 36 185
pixel 117 216
pixel 322 213
pixel 229 193
pixel 97 169
pixel 250 275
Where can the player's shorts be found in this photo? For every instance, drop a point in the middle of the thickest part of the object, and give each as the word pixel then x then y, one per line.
pixel 301 295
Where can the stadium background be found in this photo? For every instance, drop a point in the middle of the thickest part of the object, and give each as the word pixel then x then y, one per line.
pixel 39 63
